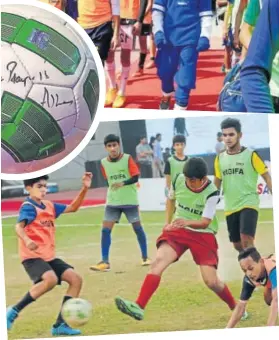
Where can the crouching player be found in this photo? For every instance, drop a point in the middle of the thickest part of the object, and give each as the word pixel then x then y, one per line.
pixel 36 236
pixel 181 30
pixel 259 272
pixel 194 227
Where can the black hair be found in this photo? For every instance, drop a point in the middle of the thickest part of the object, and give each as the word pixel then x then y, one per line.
pixel 32 181
pixel 111 138
pixel 252 252
pixel 219 134
pixel 158 135
pixel 195 167
pixel 231 123
pixel 179 139
pixel 142 137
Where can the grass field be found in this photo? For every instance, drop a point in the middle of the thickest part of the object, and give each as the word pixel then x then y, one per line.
pixel 182 302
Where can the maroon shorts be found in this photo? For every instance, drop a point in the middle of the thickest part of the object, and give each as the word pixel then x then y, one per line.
pixel 203 246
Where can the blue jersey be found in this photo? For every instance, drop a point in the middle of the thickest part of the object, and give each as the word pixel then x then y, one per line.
pixel 256 69
pixel 182 19
pixel 28 212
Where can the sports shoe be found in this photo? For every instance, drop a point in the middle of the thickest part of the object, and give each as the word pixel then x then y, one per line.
pixel 165 103
pixel 110 96
pixel 245 316
pixel 146 262
pixel 130 308
pixel 11 315
pixel 64 329
pixel 138 73
pixel 101 267
pixel 119 102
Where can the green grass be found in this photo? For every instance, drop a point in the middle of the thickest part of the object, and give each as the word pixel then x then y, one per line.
pixel 181 303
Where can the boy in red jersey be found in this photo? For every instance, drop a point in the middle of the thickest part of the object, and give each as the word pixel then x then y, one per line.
pixel 35 229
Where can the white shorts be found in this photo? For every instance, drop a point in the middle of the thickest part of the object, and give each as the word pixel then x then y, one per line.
pixel 126 37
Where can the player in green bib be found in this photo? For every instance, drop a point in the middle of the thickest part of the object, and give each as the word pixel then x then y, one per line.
pixel 191 224
pixel 121 173
pixel 238 169
pixel 174 165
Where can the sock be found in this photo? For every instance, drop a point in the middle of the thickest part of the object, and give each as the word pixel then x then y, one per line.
pixel 148 288
pixel 110 68
pixel 60 319
pixel 25 301
pixel 227 297
pixel 142 240
pixel 152 58
pixel 106 242
pixel 123 80
pixel 142 60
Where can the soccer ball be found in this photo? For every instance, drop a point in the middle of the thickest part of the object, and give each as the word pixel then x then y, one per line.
pixel 50 88
pixel 76 312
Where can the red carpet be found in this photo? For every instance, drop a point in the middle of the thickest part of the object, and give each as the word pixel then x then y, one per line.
pixel 145 92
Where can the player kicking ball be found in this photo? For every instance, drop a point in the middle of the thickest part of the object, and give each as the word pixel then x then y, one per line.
pixel 194 227
pixel 122 175
pixel 35 230
pixel 259 271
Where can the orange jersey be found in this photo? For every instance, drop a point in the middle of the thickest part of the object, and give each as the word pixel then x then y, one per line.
pixel 94 13
pixel 129 9
pixel 60 4
pixel 42 231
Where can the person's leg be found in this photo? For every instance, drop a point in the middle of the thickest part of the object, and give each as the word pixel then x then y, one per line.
pixel 142 56
pixel 110 71
pixel 44 278
pixel 112 215
pixel 248 226
pixel 204 249
pixel 210 278
pixel 233 226
pixel 186 76
pixel 66 273
pixel 152 53
pixel 167 60
pixel 164 257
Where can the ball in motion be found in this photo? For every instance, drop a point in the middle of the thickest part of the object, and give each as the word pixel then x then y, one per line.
pixel 76 312
pixel 50 88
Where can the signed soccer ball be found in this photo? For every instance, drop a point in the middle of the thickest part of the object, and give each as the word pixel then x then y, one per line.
pixel 50 88
pixel 76 312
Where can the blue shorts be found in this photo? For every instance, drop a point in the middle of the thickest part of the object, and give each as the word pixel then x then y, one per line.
pixel 113 214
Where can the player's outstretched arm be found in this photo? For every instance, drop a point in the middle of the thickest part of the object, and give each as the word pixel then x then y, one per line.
pixel 237 314
pixel 86 183
pixel 273 315
pixel 217 174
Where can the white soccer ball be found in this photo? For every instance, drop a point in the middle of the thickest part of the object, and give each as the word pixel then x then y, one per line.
pixel 76 312
pixel 50 88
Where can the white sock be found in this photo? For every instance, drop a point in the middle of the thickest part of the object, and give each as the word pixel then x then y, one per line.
pixel 177 107
pixel 123 80
pixel 110 68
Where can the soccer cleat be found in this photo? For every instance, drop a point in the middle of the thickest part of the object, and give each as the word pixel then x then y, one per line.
pixel 119 101
pixel 101 267
pixel 138 73
pixel 64 329
pixel 110 96
pixel 165 103
pixel 146 262
pixel 245 316
pixel 130 308
pixel 11 315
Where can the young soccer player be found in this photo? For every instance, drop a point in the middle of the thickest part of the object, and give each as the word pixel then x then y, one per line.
pixel 175 164
pixel 259 271
pixel 122 174
pixel 256 70
pixel 194 227
pixel 132 14
pixel 35 229
pixel 181 30
pixel 101 21
pixel 238 169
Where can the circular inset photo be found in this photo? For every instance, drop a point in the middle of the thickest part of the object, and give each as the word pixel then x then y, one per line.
pixel 52 89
